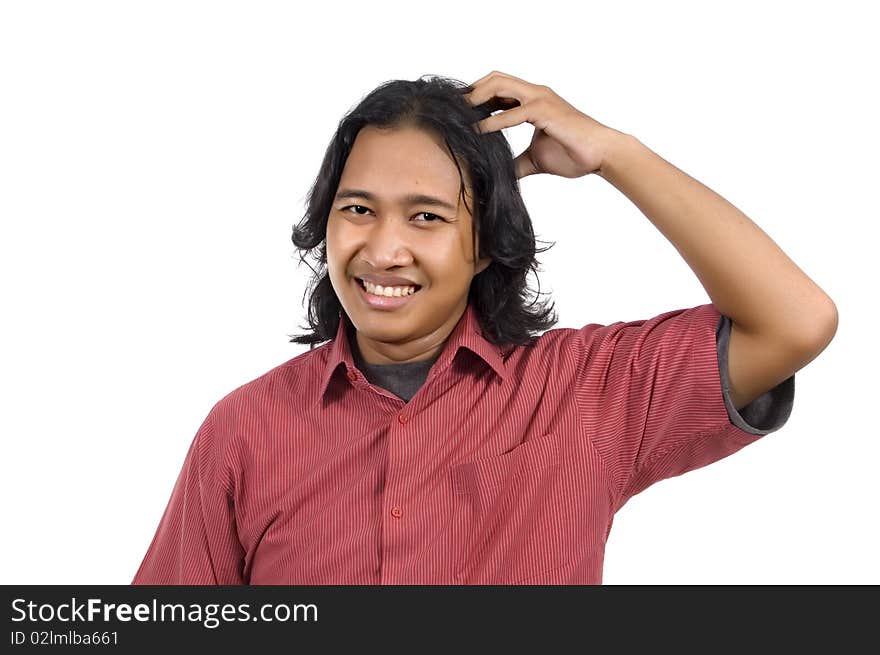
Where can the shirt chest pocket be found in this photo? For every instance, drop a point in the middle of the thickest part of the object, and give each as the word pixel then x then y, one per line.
pixel 509 521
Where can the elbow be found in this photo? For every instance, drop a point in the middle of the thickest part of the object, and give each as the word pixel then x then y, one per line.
pixel 824 327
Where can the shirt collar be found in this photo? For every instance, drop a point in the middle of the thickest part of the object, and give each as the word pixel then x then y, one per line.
pixel 466 334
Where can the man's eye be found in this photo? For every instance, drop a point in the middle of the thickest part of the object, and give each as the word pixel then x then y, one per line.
pixel 434 217
pixel 427 214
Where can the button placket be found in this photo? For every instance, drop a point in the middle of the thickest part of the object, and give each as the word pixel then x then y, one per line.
pixel 396 511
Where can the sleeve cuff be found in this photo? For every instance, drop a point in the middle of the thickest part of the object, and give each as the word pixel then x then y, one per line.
pixel 766 413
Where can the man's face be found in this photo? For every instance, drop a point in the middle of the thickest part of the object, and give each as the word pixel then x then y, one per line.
pixel 388 235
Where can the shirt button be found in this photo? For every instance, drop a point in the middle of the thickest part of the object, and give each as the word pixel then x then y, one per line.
pixel 401 418
pixel 352 376
pixel 396 512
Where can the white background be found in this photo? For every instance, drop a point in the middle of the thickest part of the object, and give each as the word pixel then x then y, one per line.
pixel 154 157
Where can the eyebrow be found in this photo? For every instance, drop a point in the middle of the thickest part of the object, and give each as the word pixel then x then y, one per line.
pixel 412 198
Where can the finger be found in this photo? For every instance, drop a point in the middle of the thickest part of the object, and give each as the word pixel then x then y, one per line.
pixel 503 90
pixel 524 165
pixel 503 120
pixel 494 74
pixel 485 77
pixel 469 89
pixel 497 73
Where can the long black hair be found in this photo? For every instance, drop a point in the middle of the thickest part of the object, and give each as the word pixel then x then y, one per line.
pixel 434 103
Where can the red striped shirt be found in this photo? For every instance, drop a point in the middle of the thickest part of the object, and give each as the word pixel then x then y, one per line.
pixel 506 467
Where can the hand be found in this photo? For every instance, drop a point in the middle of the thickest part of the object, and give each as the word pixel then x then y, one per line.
pixel 566 142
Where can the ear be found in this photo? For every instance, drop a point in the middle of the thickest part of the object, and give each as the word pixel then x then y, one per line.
pixel 481 265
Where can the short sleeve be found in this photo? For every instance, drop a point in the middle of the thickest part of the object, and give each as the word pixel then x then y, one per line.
pixel 196 542
pixel 766 413
pixel 653 403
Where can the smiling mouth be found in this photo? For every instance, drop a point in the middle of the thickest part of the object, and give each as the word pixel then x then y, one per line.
pixel 363 286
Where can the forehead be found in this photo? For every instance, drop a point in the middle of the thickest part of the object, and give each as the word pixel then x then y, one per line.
pixel 389 162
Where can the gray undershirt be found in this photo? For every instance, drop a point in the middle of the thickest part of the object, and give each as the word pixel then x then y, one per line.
pixel 403 380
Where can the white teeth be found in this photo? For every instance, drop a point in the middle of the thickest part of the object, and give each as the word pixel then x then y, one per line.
pixel 388 292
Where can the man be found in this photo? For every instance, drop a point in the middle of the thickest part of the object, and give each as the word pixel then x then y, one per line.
pixel 432 441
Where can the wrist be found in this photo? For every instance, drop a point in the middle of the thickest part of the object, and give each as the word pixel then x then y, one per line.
pixel 615 145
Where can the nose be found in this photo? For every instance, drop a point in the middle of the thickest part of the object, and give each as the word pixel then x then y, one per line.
pixel 386 245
